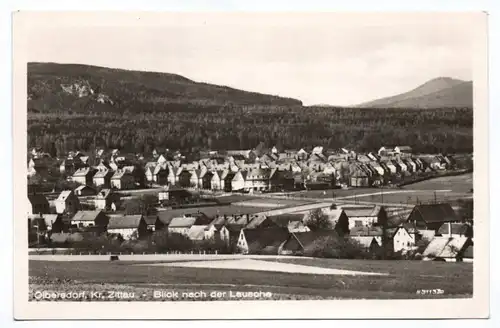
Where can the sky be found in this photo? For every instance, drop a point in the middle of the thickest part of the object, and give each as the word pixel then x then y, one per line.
pixel 328 58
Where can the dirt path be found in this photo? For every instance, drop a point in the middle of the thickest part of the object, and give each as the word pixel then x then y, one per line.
pixel 256 265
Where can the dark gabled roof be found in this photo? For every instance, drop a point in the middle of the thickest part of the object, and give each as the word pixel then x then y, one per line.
pixel 305 239
pixel 284 219
pixel 201 218
pixel 469 252
pixel 150 219
pixel 258 239
pixel 234 228
pixel 255 222
pixel 436 212
pixel 218 222
pixel 37 199
pixel 410 227
pixel 124 222
pixel 165 217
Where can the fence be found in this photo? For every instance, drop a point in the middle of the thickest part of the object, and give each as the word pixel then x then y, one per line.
pixel 72 251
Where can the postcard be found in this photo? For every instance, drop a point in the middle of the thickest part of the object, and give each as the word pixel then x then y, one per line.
pixel 250 165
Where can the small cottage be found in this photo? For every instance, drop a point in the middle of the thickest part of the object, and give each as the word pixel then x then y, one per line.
pixel 84 219
pixel 38 204
pixel 432 216
pixel 67 202
pixel 262 241
pixel 127 225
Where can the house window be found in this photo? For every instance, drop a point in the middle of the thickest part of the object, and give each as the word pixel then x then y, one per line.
pixel 358 223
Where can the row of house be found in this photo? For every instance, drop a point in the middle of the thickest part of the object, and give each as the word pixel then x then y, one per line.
pixel 245 170
pixel 370 226
pixel 68 201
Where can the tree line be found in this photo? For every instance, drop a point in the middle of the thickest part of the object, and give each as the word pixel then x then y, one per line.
pixel 426 131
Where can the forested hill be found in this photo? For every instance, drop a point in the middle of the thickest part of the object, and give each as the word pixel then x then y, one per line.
pixel 82 88
pixel 77 106
pixel 442 92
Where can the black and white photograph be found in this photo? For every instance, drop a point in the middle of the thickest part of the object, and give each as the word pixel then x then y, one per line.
pixel 215 158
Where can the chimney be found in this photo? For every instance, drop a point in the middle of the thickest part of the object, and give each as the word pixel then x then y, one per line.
pixel 248 219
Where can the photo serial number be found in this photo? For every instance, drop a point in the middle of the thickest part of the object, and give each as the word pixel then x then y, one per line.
pixel 430 292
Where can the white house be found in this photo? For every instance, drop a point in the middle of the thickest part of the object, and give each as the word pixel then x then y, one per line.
pixel 123 179
pixel 84 175
pixel 364 216
pixel 181 225
pixel 238 182
pixel 67 202
pixel 402 240
pixel 210 231
pixel 126 225
pixel 89 219
pixel 105 200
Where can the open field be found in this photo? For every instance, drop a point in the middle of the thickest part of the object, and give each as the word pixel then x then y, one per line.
pixel 398 279
pixel 413 197
pixel 234 198
pixel 458 183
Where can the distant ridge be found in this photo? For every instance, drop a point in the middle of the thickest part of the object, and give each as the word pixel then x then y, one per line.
pixel 441 92
pixel 76 87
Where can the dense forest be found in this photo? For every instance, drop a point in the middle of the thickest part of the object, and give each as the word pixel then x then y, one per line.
pixel 71 106
pixel 447 130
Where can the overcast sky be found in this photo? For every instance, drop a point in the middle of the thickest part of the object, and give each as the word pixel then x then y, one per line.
pixel 337 59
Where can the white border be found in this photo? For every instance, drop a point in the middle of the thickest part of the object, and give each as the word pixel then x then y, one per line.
pixel 478 175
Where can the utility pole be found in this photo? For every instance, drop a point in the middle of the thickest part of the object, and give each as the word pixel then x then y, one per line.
pixel 435 198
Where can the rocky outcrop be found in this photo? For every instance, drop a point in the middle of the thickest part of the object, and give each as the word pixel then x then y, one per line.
pixel 79 89
pixel 83 89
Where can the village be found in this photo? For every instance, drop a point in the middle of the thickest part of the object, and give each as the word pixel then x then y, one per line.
pixel 246 201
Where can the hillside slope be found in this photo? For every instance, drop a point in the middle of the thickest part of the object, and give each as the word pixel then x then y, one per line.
pixel 437 93
pixel 54 87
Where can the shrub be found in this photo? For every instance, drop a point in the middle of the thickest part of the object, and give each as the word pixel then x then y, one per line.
pixel 164 241
pixel 336 247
